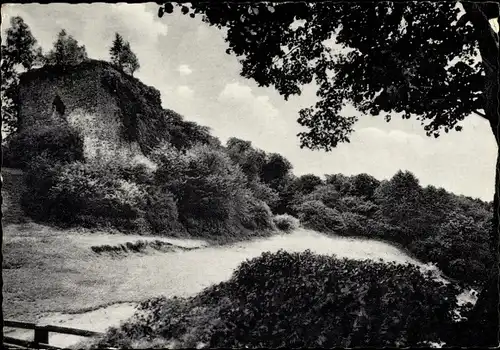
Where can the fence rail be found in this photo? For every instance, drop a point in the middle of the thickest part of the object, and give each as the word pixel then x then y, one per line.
pixel 41 336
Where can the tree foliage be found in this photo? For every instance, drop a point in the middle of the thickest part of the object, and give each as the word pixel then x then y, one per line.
pixel 129 59
pixel 434 225
pixel 66 51
pixel 250 160
pixel 20 53
pixel 210 190
pixel 404 57
pixel 122 55
pixel 400 198
pixel 116 50
pixel 276 170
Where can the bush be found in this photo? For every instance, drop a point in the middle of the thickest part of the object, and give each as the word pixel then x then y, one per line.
pixel 94 191
pixel 264 193
pixel 357 205
pixel 317 216
pixel 258 216
pixel 89 194
pixel 134 172
pixel 40 176
pixel 286 222
pixel 60 142
pixel 210 190
pixel 301 300
pixel 161 212
pixel 323 193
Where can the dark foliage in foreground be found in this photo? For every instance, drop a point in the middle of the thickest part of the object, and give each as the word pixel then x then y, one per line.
pixel 300 300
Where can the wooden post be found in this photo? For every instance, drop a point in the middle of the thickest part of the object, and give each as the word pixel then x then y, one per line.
pixel 41 336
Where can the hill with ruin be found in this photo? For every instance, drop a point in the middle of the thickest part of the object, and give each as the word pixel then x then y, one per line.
pixel 115 113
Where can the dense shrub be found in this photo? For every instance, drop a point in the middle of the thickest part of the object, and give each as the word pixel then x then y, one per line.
pixel 92 194
pixel 212 184
pixel 461 248
pixel 286 222
pixel 40 176
pixel 172 164
pixel 89 194
pixel 185 134
pixel 317 216
pixel 298 300
pixel 210 190
pixel 357 205
pixel 432 224
pixel 250 160
pixel 256 215
pixel 57 141
pixel 327 194
pixel 275 170
pixel 358 225
pixel 128 171
pixel 264 193
pixel 161 212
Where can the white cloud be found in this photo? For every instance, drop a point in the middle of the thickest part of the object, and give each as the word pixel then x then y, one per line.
pixel 185 91
pixel 250 117
pixel 184 69
pixel 236 91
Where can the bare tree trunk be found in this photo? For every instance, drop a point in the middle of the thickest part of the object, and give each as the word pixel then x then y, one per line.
pixel 482 326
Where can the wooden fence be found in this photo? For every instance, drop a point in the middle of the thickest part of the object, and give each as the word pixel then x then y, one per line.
pixel 41 335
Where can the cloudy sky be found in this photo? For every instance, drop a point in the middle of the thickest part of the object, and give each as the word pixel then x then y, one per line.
pixel 186 60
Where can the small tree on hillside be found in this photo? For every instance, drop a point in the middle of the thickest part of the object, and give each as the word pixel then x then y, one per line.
pixel 66 51
pixel 129 60
pixel 122 56
pixel 116 50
